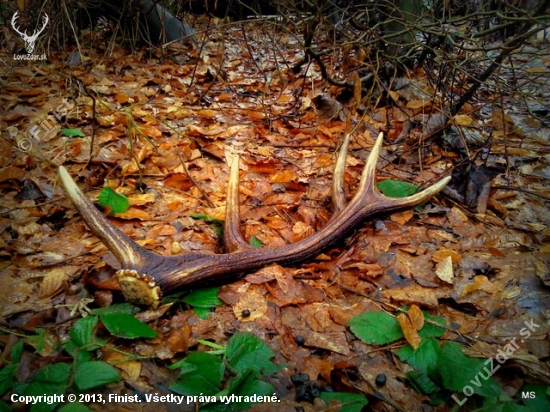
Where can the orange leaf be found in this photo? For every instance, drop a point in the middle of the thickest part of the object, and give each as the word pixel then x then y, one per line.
pixel 178 181
pixel 442 254
pixel 150 130
pixel 416 316
pixel 283 177
pixel 409 331
pixel 12 172
pixel 121 98
pixel 134 214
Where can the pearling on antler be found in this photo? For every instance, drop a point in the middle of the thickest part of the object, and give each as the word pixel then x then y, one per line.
pixel 145 276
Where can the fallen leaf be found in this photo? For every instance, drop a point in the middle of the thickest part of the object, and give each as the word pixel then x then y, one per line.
pixel 444 270
pixel 52 282
pixel 409 331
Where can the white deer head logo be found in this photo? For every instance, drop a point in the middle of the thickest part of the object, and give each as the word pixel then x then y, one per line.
pixel 29 40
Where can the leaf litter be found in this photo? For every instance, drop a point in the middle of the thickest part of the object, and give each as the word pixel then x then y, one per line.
pixel 482 268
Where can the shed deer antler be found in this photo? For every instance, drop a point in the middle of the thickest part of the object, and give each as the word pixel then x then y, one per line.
pixel 145 276
pixel 29 40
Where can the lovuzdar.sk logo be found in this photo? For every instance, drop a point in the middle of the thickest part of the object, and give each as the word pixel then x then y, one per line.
pixel 29 40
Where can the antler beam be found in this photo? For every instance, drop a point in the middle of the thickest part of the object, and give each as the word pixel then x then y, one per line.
pixel 145 276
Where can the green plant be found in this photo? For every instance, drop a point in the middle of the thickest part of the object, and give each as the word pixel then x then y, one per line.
pixel 442 370
pixel 84 373
pixel 231 381
pixel 118 203
pixel 203 301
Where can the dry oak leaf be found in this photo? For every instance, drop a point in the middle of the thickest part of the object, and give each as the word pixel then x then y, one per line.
pixel 444 270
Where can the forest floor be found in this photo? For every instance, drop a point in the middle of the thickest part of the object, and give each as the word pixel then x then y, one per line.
pixel 167 126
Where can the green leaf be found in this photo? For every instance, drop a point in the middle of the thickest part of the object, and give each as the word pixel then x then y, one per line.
pixel 4 407
pixel 39 340
pixel 83 334
pixel 397 188
pixel 431 331
pixel 422 383
pixel 541 401
pixel 248 385
pixel 254 241
pixel 16 351
pixel 124 325
pixel 203 298
pixel 75 351
pixel 75 407
pixel 94 374
pixel 50 380
pixel 425 359
pixel 117 202
pixel 216 407
pixel 246 351
pixel 53 373
pixel 116 308
pixel 351 402
pixel 458 371
pixel 7 376
pixel 216 224
pixel 206 218
pixel 376 328
pixel 200 372
pixel 72 133
pixel 202 313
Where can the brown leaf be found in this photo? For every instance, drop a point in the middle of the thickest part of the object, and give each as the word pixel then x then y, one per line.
pixel 134 213
pixel 480 283
pixel 52 282
pixel 141 199
pixel 462 120
pixel 12 172
pixel 442 254
pixel 252 300
pixel 409 330
pixel 130 369
pixel 402 217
